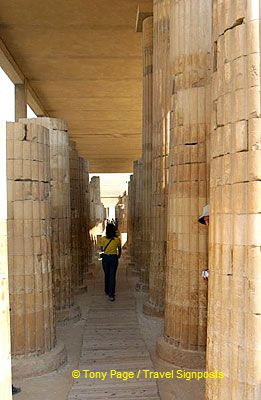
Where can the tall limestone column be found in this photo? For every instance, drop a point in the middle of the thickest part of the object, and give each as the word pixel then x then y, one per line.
pixel 131 219
pixel 160 150
pixel 137 216
pixel 76 182
pixel 184 339
pixel 33 335
pixel 234 314
pixel 5 348
pixel 60 216
pixel 147 29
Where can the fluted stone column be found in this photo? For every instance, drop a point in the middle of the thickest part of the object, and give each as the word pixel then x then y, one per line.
pixel 76 186
pixel 184 339
pixel 160 150
pixel 87 226
pixel 131 218
pixel 29 252
pixel 146 151
pixel 60 216
pixel 137 193
pixel 5 348
pixel 84 223
pixel 234 314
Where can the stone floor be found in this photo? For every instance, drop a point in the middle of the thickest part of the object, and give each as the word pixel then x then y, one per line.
pixel 110 336
pixel 112 341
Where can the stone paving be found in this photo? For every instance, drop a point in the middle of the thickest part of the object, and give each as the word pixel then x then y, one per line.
pixel 112 341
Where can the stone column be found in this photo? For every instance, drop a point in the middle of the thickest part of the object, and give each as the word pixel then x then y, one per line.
pixel 87 226
pixel 83 225
pixel 184 340
pixel 234 313
pixel 5 358
pixel 160 149
pixel 146 151
pixel 130 218
pixel 76 201
pixel 60 216
pixel 29 252
pixel 136 204
pixel 20 101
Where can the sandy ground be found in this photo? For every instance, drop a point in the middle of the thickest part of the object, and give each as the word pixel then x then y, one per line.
pixel 57 385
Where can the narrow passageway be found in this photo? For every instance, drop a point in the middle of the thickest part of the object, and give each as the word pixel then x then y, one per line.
pixel 112 341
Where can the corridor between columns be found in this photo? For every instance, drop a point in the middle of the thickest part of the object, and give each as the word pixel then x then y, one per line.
pixel 163 96
pixel 112 341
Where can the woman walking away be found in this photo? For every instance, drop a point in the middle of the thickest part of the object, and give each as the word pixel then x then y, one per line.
pixel 111 247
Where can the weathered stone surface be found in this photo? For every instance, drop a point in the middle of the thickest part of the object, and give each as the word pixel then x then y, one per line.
pixel 5 348
pixel 29 249
pixel 234 321
pixel 60 214
pixel 160 151
pixel 186 291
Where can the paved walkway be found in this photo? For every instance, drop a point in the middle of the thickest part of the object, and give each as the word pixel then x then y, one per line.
pixel 112 341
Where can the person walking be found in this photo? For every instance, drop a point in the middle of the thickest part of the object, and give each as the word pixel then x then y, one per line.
pixel 111 248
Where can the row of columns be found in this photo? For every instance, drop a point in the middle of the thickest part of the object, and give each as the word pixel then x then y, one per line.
pixel 48 254
pixel 205 94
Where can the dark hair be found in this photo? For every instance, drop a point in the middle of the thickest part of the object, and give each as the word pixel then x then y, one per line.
pixel 110 231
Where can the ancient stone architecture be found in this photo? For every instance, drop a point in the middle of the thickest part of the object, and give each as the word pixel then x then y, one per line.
pixel 234 314
pixel 186 294
pixel 29 251
pixel 97 210
pixel 60 215
pixel 121 213
pixel 5 356
pixel 175 101
pixel 160 150
pixel 80 219
pixel 147 47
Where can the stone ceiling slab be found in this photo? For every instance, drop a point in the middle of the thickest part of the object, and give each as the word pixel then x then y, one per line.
pixel 83 60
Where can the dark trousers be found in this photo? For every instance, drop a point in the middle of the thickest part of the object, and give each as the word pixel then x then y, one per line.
pixel 110 265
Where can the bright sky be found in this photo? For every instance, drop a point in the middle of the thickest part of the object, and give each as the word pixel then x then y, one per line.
pixel 112 185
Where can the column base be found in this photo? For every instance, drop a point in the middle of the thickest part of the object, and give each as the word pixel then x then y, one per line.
pixel 80 289
pixel 35 365
pixel 152 310
pixel 68 314
pixel 187 359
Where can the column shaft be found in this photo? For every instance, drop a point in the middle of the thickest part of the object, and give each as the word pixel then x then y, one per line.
pixel 186 291
pixel 137 216
pixel 60 216
pixel 76 186
pixel 160 149
pixel 146 151
pixel 234 314
pixel 5 348
pixel 29 251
